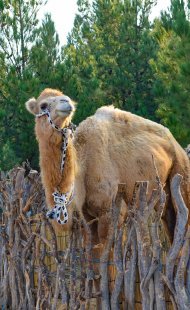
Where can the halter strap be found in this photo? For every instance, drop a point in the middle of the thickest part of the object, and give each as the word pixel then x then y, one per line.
pixel 66 133
pixel 71 126
pixel 62 200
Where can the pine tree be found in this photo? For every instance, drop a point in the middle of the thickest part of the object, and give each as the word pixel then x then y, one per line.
pixel 18 21
pixel 19 78
pixel 172 70
pixel 128 47
pixel 79 65
pixel 107 57
pixel 45 54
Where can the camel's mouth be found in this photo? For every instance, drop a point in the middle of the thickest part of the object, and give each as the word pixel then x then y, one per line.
pixel 64 109
pixel 64 112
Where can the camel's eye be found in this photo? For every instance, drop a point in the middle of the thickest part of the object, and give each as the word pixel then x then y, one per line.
pixel 43 106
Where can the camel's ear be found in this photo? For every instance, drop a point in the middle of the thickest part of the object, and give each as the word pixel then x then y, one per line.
pixel 31 106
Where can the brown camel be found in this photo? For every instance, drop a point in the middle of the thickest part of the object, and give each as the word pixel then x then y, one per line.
pixel 109 148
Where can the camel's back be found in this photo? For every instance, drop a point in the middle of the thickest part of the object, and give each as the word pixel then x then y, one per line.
pixel 117 145
pixel 110 129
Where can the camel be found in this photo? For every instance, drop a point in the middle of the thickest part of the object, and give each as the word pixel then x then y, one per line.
pixel 108 148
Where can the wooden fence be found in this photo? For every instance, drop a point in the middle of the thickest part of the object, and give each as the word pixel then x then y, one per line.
pixel 42 270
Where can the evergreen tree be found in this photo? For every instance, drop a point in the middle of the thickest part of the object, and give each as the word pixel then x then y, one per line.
pixel 127 46
pixel 45 54
pixel 172 70
pixel 79 65
pixel 107 57
pixel 18 21
pixel 23 76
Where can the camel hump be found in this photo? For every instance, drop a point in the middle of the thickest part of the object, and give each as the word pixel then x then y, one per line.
pixel 124 124
pixel 133 121
pixel 112 113
pixel 105 112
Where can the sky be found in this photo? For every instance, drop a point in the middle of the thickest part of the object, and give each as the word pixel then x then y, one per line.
pixel 63 13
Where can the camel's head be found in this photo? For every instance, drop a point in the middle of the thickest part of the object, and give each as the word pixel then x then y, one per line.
pixel 60 107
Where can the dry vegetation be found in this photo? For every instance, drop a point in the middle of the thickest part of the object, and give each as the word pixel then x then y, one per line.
pixel 40 270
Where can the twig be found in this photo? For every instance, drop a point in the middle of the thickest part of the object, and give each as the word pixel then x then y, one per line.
pixel 181 221
pixel 182 298
pixel 130 268
pixel 118 260
pixel 105 256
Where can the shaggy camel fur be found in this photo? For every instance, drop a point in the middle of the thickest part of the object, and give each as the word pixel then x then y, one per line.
pixel 50 147
pixel 109 148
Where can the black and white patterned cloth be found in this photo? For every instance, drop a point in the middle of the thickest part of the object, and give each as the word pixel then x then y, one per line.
pixel 59 212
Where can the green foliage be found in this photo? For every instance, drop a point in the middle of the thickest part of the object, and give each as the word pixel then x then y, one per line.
pixel 44 54
pixel 113 55
pixel 172 70
pixel 18 22
pixel 23 76
pixel 107 57
pixel 128 49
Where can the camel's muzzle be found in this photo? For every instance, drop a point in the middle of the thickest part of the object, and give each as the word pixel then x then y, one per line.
pixel 64 106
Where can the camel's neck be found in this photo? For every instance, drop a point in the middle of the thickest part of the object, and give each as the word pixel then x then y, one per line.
pixel 50 163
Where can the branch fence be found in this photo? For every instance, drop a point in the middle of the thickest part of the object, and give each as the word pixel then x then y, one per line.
pixel 42 270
